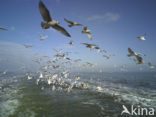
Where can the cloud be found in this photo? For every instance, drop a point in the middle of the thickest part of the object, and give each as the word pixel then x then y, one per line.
pixel 107 17
pixel 13 56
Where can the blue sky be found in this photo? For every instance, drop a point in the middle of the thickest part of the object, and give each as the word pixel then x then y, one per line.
pixel 114 24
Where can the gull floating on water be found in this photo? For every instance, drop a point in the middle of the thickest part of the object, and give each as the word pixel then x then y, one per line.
pixel 102 50
pixel 86 31
pixel 1 28
pixel 139 59
pixel 29 77
pixel 72 23
pixel 49 22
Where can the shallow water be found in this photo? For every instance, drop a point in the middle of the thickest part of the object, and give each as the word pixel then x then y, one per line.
pixel 104 97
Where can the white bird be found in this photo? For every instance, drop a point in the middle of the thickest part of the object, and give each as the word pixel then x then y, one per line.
pixel 72 23
pixel 41 75
pixel 131 52
pixel 102 50
pixel 86 31
pixel 142 38
pixel 49 22
pixel 91 46
pixel 42 37
pixel 29 77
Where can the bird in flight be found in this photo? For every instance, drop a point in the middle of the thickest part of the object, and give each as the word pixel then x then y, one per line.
pixel 49 22
pixel 86 31
pixel 91 46
pixel 142 38
pixel 42 37
pixel 72 23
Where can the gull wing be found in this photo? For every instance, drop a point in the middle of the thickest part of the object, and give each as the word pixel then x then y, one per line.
pixel 139 59
pixel 90 36
pixel 3 28
pixel 68 21
pixel 44 12
pixel 61 30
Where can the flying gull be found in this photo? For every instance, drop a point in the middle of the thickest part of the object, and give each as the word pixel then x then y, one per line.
pixel 42 37
pixel 49 22
pixel 142 38
pixel 72 23
pixel 86 31
pixel 91 46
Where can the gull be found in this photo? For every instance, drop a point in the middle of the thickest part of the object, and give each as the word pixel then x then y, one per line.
pixel 85 30
pixel 108 56
pixel 138 56
pixel 71 43
pixel 72 23
pixel 102 50
pixel 131 52
pixel 90 64
pixel 150 65
pixel 37 61
pixel 77 60
pixel 91 46
pixel 49 22
pixel 1 28
pixel 27 46
pixel 142 38
pixel 68 58
pixel 139 59
pixel 42 37
pixel 99 89
pixel 29 78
